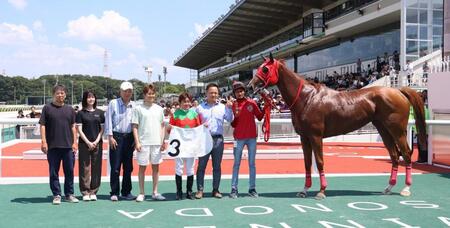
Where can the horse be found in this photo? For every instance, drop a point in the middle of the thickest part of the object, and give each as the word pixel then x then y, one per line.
pixel 319 112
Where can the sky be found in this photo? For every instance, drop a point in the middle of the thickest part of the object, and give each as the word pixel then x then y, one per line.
pixel 40 37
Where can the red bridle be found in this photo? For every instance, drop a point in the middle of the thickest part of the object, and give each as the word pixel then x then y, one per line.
pixel 268 73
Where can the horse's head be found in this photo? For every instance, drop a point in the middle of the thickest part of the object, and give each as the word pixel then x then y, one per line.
pixel 266 75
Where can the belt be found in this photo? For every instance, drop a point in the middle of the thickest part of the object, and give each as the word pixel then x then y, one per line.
pixel 122 134
pixel 217 136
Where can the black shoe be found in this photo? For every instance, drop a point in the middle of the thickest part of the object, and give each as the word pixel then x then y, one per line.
pixel 178 182
pixel 234 194
pixel 128 197
pixel 253 193
pixel 179 195
pixel 190 195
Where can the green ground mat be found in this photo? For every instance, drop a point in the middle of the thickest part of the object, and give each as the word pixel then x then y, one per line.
pixel 350 202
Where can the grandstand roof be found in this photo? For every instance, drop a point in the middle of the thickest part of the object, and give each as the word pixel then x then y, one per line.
pixel 245 23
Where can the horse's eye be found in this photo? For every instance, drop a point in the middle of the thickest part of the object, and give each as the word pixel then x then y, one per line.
pixel 265 70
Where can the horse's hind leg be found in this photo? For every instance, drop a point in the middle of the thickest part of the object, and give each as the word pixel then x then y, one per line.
pixel 406 154
pixel 390 145
pixel 317 147
pixel 307 153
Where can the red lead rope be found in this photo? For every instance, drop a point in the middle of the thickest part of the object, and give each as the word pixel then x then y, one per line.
pixel 266 123
pixel 268 104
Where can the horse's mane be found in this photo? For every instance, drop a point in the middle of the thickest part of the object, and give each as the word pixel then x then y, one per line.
pixel 312 83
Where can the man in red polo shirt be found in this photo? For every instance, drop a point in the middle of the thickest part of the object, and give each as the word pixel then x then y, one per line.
pixel 245 110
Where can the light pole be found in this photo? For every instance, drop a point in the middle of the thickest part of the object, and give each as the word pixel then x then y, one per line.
pixel 45 82
pixel 72 92
pixel 164 83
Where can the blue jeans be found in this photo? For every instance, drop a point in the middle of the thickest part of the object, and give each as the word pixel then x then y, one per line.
pixel 216 155
pixel 237 152
pixel 54 158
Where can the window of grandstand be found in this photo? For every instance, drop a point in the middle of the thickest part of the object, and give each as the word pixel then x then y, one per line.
pixel 367 46
pixel 423 28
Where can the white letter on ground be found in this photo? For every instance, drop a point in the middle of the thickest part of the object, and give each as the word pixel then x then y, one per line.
pixel 445 220
pixel 380 206
pixel 332 224
pixel 322 208
pixel 206 211
pixel 397 220
pixel 283 224
pixel 135 215
pixel 419 204
pixel 268 210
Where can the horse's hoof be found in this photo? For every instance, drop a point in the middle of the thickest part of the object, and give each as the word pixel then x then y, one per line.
pixel 405 193
pixel 302 194
pixel 320 196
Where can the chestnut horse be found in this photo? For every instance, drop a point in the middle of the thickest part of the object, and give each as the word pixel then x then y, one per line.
pixel 319 112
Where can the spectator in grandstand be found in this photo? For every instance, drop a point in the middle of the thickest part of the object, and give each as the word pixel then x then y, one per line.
pixel 386 59
pixel 19 115
pixel 358 66
pixel 149 132
pixel 396 60
pixel 245 110
pixel 90 121
pixel 409 71
pixel 168 110
pixel 33 113
pixel 195 104
pixel 184 117
pixel 58 141
pixel 425 70
pixel 213 114
pixel 118 130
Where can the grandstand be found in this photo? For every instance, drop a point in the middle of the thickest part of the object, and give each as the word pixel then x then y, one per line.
pixel 317 38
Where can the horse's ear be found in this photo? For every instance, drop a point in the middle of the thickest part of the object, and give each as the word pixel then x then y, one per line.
pixel 271 57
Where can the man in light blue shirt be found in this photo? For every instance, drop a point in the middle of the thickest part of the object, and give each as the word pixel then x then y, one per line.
pixel 213 114
pixel 121 141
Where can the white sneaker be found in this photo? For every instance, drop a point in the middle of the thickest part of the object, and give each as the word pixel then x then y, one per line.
pixel 72 199
pixel 57 200
pixel 86 198
pixel 93 197
pixel 158 197
pixel 114 198
pixel 140 198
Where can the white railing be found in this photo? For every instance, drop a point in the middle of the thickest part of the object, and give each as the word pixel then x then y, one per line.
pixel 284 132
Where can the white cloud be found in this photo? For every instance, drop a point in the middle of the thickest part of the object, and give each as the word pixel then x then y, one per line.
pixel 38 26
pixel 18 4
pixel 15 34
pixel 111 26
pixel 199 29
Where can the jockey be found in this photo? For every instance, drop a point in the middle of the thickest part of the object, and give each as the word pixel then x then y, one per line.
pixel 245 110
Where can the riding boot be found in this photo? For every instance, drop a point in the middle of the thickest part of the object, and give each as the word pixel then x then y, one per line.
pixel 190 181
pixel 178 181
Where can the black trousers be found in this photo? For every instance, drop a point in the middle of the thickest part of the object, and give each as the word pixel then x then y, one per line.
pixel 122 156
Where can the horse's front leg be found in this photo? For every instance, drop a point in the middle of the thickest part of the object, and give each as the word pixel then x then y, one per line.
pixel 317 146
pixel 307 157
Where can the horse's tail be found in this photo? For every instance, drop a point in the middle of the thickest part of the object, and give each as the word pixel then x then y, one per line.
pixel 419 113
